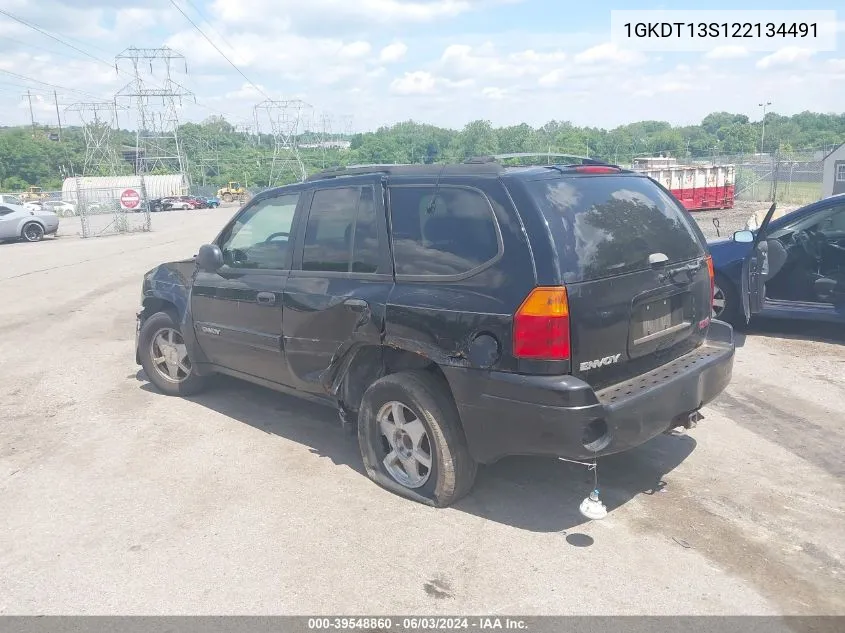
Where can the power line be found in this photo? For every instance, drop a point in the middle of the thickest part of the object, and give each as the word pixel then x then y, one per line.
pixel 210 25
pixel 54 86
pixel 217 48
pixel 53 37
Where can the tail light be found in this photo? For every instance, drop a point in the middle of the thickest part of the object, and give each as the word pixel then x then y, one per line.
pixel 541 325
pixel 712 274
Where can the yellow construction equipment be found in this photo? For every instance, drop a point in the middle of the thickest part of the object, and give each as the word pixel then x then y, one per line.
pixel 33 194
pixel 232 191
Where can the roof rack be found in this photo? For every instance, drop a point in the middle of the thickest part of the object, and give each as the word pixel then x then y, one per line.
pixel 495 158
pixel 349 170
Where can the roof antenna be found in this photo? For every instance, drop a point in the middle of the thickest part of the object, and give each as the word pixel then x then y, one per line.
pixel 433 204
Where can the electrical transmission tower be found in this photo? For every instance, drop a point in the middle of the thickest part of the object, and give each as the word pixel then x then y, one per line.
pixel 158 107
pixel 283 119
pixel 99 119
pixel 326 139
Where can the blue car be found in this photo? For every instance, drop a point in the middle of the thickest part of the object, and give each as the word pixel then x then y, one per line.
pixel 790 268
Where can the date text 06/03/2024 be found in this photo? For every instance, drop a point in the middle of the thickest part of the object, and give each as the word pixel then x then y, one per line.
pixel 417 623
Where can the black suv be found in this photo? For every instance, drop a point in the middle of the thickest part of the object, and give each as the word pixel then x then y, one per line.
pixel 455 314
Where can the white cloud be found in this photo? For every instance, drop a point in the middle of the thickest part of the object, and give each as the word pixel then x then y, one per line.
pixel 727 52
pixel 609 53
pixel 496 94
pixel 785 57
pixel 422 82
pixel 323 15
pixel 393 52
pixel 414 83
pixel 355 50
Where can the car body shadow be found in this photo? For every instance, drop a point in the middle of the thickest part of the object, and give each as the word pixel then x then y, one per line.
pixel 538 494
pixel 820 332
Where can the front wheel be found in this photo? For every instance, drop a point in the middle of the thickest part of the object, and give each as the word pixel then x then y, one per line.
pixel 164 357
pixel 227 197
pixel 411 439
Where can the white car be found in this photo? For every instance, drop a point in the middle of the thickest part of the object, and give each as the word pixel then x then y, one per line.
pixel 60 208
pixel 20 223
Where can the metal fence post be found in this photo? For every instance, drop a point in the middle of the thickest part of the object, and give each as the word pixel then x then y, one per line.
pixel 145 205
pixel 81 208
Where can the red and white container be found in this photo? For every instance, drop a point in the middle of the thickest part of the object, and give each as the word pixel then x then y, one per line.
pixel 698 187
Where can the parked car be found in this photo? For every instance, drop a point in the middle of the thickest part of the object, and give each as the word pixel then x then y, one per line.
pixel 60 208
pixel 19 223
pixel 803 258
pixel 177 203
pixel 199 203
pixel 486 311
pixel 11 199
pixel 212 203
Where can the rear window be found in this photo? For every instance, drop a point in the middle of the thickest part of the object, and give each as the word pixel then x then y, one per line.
pixel 609 225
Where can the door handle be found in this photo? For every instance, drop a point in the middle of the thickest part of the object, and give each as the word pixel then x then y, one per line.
pixel 266 298
pixel 356 305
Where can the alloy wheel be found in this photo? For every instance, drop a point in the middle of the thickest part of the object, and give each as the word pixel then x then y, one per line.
pixel 170 355
pixel 407 446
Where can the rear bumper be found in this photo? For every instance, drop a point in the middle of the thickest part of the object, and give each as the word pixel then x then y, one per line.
pixel 512 414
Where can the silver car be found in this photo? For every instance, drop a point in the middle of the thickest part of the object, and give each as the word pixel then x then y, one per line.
pixel 19 223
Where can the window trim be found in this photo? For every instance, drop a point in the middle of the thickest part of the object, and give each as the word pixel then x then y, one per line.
pixel 458 276
pixel 231 270
pixel 839 174
pixel 386 258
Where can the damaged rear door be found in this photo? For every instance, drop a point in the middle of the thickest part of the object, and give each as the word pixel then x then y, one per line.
pixel 342 275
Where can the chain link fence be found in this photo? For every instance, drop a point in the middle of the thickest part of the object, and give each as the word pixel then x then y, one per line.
pixel 793 177
pixel 109 210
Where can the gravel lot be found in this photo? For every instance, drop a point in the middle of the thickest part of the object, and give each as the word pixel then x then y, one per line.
pixel 115 499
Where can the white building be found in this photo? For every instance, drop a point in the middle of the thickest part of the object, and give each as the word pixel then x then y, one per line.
pixel 107 188
pixel 833 172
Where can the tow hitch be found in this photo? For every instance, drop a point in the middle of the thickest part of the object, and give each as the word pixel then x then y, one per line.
pixel 684 422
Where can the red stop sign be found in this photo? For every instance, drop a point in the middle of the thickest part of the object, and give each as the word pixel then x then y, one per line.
pixel 130 199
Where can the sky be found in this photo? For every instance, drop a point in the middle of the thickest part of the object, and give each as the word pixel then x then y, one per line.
pixel 361 64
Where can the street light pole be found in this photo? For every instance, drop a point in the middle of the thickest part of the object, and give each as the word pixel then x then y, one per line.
pixel 763 132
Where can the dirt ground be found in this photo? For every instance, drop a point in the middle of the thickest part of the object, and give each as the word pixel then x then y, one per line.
pixel 115 499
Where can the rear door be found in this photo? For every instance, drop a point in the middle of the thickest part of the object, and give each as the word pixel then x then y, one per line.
pixel 336 295
pixel 634 265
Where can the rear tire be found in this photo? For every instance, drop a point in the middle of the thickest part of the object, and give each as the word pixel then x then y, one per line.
pixel 164 357
pixel 426 456
pixel 32 232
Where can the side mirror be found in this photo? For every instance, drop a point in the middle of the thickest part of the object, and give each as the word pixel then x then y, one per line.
pixel 210 258
pixel 744 237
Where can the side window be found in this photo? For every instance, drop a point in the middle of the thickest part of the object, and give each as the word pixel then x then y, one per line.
pixel 5 211
pixel 441 231
pixel 342 233
pixel 835 221
pixel 365 244
pixel 260 237
pixel 328 234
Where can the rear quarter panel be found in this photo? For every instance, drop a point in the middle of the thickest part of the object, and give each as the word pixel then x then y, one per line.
pixel 441 319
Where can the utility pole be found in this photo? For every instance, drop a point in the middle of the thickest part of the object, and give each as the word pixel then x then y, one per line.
pixel 58 116
pixel 763 132
pixel 31 115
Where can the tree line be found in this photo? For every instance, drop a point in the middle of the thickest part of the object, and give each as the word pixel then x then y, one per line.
pixel 217 153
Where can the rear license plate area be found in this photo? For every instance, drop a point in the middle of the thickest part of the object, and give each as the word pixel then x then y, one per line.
pixel 659 318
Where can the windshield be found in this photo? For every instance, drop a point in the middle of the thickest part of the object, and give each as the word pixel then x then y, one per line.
pixel 609 225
